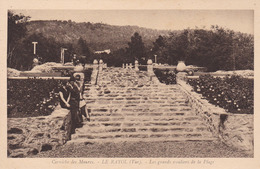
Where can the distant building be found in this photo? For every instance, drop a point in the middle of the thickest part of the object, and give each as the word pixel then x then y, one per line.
pixel 107 51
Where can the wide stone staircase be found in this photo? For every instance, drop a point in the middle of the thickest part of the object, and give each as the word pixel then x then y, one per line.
pixel 127 105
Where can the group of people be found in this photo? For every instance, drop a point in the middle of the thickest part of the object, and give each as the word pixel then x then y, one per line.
pixel 71 97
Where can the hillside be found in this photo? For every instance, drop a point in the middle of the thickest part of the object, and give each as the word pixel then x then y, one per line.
pixel 99 36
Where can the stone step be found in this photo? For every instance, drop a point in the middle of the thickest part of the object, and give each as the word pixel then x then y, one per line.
pixel 134 138
pixel 136 115
pixel 144 136
pixel 147 108
pixel 144 116
pixel 143 102
pixel 128 106
pixel 136 108
pixel 137 127
pixel 106 94
pixel 134 97
pixel 139 118
pixel 142 122
pixel 134 90
pixel 110 136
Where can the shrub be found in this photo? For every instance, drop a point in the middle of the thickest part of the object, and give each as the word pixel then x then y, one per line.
pixel 31 97
pixel 165 76
pixel 233 93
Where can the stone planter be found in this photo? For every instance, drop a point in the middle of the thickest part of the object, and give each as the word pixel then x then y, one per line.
pixel 181 66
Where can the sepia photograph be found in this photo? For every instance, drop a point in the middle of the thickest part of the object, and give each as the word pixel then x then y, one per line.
pixel 130 87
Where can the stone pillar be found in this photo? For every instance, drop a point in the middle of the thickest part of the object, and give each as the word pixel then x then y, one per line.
pixel 105 66
pixel 126 65
pixel 95 65
pixel 123 65
pixel 101 63
pixel 130 66
pixel 181 76
pixel 150 66
pixel 94 72
pixel 136 65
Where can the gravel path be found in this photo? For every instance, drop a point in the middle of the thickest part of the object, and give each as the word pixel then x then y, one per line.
pixel 188 149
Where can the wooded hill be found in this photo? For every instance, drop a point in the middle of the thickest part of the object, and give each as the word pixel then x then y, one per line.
pixel 98 36
pixel 216 49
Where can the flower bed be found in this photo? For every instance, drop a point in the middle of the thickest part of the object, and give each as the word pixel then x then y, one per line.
pixel 34 97
pixel 233 93
pixel 31 97
pixel 165 76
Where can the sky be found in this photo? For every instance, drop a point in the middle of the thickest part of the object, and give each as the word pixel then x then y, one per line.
pixel 237 20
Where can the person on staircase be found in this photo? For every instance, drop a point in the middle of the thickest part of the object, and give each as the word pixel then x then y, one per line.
pixel 74 104
pixel 82 107
pixel 64 96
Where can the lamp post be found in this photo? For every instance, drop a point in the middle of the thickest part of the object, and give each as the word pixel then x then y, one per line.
pixel 62 55
pixel 34 47
pixel 155 58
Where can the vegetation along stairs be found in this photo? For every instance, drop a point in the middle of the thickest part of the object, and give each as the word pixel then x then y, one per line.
pixel 126 105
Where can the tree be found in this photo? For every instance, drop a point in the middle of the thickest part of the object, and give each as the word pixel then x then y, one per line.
pixel 136 49
pixel 47 49
pixel 159 49
pixel 159 42
pixel 16 32
pixel 216 49
pixel 82 49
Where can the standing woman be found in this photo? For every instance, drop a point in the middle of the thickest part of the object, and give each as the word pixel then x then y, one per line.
pixel 64 95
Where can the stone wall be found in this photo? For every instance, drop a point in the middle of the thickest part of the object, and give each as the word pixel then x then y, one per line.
pixel 28 136
pixel 236 130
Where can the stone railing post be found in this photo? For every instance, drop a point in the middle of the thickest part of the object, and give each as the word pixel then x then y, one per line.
pixel 150 66
pixel 136 65
pixel 101 63
pixel 95 65
pixel 105 66
pixel 130 66
pixel 123 65
pixel 94 72
pixel 181 77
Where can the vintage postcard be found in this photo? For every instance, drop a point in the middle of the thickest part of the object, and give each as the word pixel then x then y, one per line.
pixel 142 84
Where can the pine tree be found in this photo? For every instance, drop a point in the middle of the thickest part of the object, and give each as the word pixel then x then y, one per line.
pixel 136 49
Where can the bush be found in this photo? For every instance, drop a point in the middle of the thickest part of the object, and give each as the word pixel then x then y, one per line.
pixel 233 93
pixel 31 97
pixel 165 76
